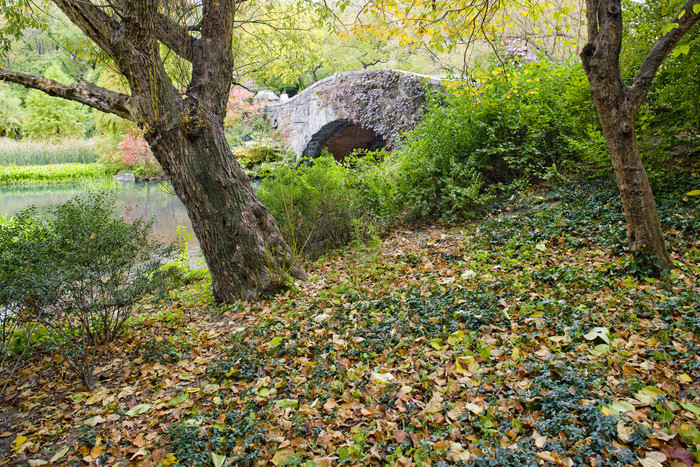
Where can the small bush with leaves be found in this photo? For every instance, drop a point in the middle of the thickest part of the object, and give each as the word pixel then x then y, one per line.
pixel 77 272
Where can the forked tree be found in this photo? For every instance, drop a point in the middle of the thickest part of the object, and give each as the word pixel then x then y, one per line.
pixel 618 104
pixel 240 240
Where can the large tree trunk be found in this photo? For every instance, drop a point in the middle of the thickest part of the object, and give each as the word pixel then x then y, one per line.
pixel 244 249
pixel 618 104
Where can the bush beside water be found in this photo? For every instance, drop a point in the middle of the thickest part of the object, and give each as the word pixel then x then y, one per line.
pixel 77 275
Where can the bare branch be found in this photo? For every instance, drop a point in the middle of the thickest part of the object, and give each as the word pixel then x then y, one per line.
pixel 96 97
pixel 685 19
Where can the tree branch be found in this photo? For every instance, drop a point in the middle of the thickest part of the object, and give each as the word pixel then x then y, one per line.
pixel 175 37
pixel 91 19
pixel 685 18
pixel 83 92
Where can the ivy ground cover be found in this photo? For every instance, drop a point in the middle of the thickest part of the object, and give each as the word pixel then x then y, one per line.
pixel 529 337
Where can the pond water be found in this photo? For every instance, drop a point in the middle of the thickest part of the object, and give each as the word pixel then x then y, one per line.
pixel 133 200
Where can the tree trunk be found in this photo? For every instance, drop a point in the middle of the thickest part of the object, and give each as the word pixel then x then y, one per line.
pixel 244 249
pixel 617 117
pixel 618 104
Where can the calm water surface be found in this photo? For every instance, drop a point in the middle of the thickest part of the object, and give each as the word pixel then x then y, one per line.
pixel 133 200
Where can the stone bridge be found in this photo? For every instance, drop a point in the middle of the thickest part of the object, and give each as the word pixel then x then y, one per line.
pixel 362 109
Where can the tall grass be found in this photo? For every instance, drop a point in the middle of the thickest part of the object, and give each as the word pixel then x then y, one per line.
pixel 46 174
pixel 26 152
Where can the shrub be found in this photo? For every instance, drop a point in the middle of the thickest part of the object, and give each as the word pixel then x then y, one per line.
pixel 78 273
pixel 509 128
pixel 326 204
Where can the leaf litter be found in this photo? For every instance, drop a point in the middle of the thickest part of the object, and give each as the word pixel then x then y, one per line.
pixel 526 338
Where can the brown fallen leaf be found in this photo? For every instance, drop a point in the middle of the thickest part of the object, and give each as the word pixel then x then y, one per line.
pixel 682 455
pixel 139 442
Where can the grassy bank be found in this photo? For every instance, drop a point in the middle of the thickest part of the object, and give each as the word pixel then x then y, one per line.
pixel 27 152
pixel 528 338
pixel 48 174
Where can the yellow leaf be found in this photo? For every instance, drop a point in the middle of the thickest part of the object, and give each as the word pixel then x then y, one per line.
pixel 170 459
pixel 515 354
pixel 693 193
pixel 282 455
pixel 59 454
pixel 466 364
pixel 685 378
pixel 455 337
pixel 19 441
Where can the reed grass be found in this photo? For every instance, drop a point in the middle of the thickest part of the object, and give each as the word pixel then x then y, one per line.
pixel 48 174
pixel 27 152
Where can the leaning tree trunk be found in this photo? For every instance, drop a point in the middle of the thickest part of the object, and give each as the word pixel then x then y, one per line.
pixel 240 240
pixel 618 104
pixel 244 249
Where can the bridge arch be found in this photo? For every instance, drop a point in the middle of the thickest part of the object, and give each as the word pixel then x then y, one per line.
pixel 362 109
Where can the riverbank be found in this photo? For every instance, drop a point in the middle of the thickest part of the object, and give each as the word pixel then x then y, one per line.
pixel 529 337
pixel 52 173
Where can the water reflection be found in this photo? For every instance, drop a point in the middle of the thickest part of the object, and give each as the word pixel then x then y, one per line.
pixel 148 200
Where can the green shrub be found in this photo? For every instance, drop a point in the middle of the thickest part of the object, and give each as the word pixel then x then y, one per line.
pixel 78 273
pixel 509 128
pixel 312 204
pixel 324 205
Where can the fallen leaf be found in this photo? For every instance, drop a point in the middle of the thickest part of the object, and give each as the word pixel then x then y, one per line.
pixel 93 421
pixel 139 409
pixel 381 377
pixel 274 343
pixel 139 441
pixel 436 343
pixel 59 454
pixel 282 455
pixel 37 462
pixel 97 451
pixel 179 399
pixel 455 337
pixel 623 432
pixel 434 405
pixel 682 455
pixel 691 408
pixel 19 441
pixel 474 408
pixel 287 403
pixel 218 459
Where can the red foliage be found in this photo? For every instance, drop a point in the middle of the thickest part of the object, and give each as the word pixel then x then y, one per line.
pixel 241 107
pixel 135 150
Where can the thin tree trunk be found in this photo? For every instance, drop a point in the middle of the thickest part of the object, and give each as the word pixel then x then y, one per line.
pixel 644 232
pixel 618 105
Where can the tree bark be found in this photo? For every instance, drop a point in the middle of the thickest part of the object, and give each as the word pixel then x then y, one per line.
pixel 240 240
pixel 618 105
